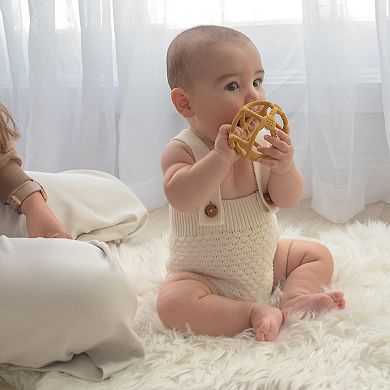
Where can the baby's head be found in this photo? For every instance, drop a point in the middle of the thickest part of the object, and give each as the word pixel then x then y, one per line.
pixel 8 131
pixel 187 51
pixel 213 71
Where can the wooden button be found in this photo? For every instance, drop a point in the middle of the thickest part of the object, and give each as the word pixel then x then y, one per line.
pixel 211 210
pixel 267 198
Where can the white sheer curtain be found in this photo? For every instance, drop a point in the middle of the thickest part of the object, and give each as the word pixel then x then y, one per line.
pixel 350 155
pixel 383 29
pixel 86 82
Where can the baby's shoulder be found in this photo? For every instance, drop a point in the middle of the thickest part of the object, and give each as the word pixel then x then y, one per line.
pixel 177 146
pixel 176 151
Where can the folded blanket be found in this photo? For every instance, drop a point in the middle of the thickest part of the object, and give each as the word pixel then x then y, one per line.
pixel 93 205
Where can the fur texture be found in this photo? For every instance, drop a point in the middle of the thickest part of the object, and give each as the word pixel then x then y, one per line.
pixel 347 349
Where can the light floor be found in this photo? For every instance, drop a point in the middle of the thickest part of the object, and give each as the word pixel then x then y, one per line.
pixel 301 216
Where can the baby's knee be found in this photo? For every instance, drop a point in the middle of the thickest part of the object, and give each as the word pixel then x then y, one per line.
pixel 167 304
pixel 322 253
pixel 175 302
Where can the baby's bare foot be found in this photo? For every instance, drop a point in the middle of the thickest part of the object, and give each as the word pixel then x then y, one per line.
pixel 315 303
pixel 266 321
pixel 338 298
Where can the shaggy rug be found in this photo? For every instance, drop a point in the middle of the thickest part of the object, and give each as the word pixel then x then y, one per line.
pixel 347 349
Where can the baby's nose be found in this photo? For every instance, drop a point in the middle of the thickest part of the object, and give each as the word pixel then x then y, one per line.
pixel 254 94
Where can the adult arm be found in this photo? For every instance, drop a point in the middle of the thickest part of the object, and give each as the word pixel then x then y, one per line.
pixel 41 220
pixel 12 175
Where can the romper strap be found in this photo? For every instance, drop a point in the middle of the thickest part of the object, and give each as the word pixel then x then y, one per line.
pixel 262 177
pixel 199 150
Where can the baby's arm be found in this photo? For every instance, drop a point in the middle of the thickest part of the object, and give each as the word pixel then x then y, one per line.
pixel 189 184
pixel 285 184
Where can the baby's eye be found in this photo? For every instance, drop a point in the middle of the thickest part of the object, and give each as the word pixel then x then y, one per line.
pixel 257 83
pixel 232 86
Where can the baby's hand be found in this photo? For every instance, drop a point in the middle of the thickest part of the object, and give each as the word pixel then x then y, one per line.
pixel 222 144
pixel 280 152
pixel 41 221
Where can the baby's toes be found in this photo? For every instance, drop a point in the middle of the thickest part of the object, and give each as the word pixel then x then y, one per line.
pixel 338 298
pixel 265 332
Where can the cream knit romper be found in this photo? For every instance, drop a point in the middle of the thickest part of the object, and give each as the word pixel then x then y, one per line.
pixel 234 249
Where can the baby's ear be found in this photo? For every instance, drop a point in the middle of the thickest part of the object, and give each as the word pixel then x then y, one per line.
pixel 181 102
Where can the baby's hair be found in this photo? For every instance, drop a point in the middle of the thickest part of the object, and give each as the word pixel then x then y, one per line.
pixel 183 51
pixel 8 130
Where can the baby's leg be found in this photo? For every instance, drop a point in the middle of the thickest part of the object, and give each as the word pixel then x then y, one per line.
pixel 307 268
pixel 189 298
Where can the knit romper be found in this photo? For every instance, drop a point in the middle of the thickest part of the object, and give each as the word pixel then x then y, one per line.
pixel 235 248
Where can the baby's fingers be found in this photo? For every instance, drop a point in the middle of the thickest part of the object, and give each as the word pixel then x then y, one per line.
pixel 238 131
pixel 224 131
pixel 270 152
pixel 277 143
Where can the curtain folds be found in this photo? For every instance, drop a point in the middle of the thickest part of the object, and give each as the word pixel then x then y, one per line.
pixel 382 13
pixel 331 110
pixel 86 82
pixel 349 154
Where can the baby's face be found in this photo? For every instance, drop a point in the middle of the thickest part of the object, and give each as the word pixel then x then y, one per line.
pixel 230 76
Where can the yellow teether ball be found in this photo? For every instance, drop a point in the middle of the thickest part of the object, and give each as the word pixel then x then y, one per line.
pixel 252 118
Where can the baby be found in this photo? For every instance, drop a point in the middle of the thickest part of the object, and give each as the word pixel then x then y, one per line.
pixel 226 256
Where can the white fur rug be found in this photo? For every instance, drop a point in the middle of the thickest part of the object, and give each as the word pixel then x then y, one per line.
pixel 347 349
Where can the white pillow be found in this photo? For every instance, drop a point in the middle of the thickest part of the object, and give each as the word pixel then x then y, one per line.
pixel 93 205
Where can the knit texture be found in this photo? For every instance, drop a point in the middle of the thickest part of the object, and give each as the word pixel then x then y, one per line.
pixel 237 256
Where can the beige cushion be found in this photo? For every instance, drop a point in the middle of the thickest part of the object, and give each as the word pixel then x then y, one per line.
pixel 93 205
